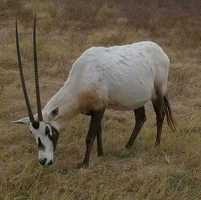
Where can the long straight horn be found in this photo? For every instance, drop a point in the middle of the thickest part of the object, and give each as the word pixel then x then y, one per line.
pixel 22 78
pixel 40 116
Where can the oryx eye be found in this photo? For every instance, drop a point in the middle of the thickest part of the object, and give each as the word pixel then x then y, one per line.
pixel 47 130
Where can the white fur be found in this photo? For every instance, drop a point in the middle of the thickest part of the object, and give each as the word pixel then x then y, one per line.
pixel 40 133
pixel 118 77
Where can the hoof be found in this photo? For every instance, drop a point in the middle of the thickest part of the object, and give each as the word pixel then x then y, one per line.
pixel 83 166
pixel 157 144
pixel 128 146
pixel 100 154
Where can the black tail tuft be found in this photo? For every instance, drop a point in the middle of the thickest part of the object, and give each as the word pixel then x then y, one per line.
pixel 169 116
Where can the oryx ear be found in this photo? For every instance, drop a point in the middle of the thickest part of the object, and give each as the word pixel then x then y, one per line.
pixel 25 120
pixel 53 113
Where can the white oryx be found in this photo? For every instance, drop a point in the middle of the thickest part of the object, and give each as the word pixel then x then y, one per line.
pixel 119 77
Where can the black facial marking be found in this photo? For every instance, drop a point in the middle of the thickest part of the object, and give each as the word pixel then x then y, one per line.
pixel 41 146
pixel 54 136
pixel 35 124
pixel 47 130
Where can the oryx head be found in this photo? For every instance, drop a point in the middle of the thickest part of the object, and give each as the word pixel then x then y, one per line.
pixel 45 134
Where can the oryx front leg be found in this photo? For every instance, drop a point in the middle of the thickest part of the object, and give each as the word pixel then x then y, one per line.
pixel 94 130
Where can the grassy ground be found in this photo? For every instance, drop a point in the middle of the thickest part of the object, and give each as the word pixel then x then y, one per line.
pixel 64 30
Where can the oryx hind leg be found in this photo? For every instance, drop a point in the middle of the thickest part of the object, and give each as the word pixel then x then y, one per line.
pixel 99 142
pixel 140 118
pixel 160 114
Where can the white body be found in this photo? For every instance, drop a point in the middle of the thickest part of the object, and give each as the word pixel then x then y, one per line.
pixel 118 77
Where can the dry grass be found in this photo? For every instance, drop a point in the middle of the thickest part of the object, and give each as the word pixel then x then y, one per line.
pixel 64 30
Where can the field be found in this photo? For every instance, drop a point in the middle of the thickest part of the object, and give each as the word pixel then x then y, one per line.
pixel 65 29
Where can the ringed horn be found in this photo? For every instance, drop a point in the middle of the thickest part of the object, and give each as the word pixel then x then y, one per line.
pixel 40 117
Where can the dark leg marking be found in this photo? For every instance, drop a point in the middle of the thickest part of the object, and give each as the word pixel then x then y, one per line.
pixel 94 130
pixel 160 114
pixel 140 118
pixel 99 142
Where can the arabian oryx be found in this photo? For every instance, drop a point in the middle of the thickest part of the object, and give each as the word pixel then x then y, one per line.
pixel 118 77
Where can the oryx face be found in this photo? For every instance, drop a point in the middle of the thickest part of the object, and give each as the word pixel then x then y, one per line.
pixel 45 134
pixel 46 138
